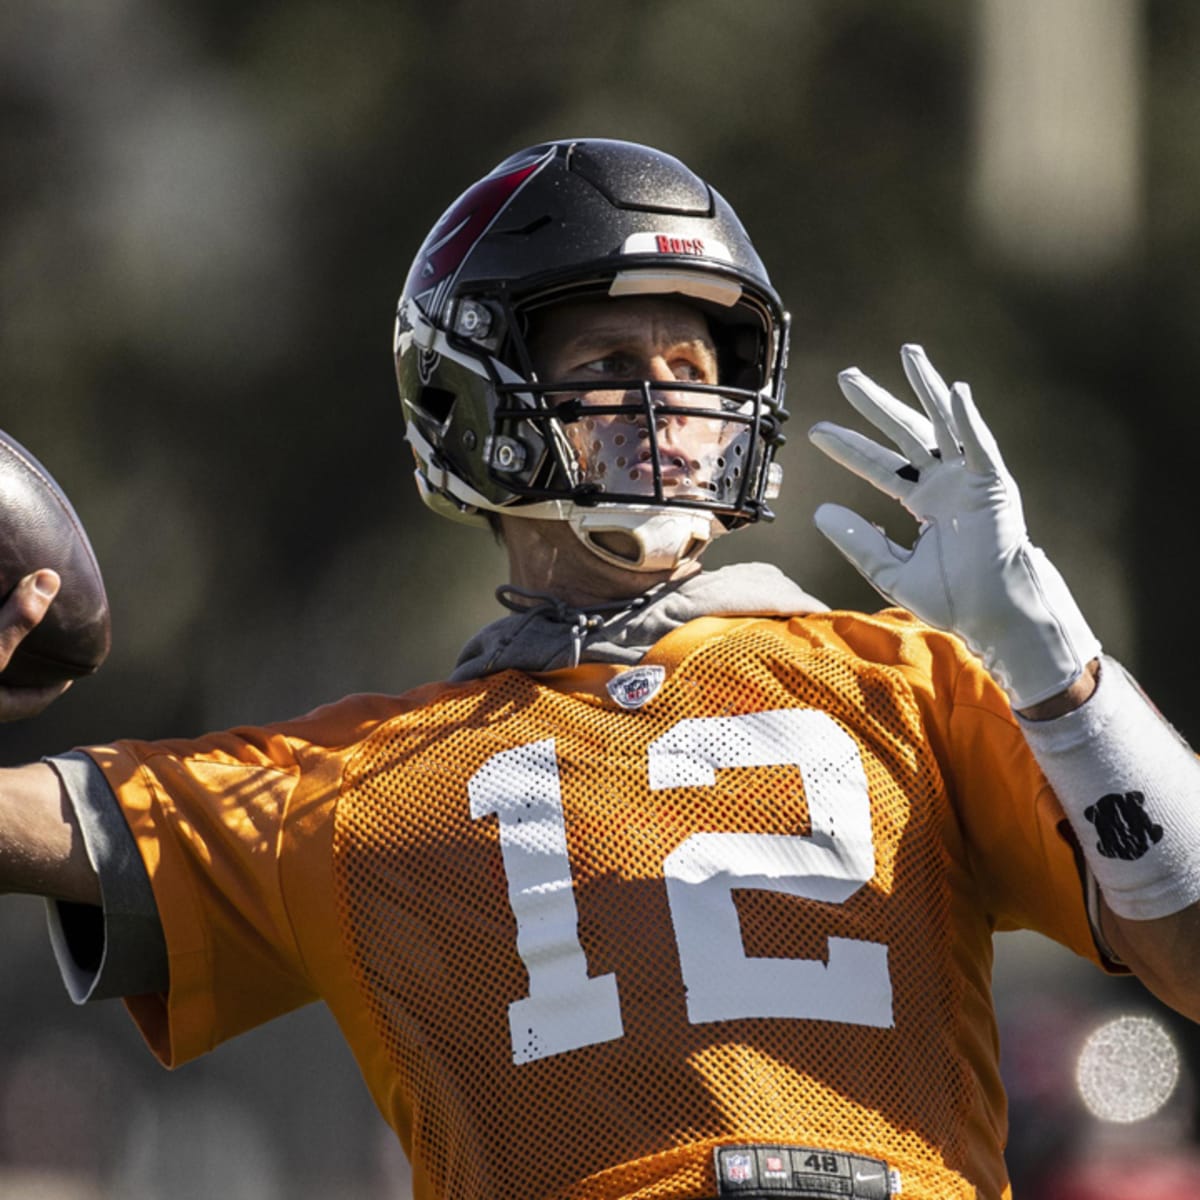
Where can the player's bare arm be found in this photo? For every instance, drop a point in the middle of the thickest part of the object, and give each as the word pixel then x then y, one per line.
pixel 1076 693
pixel 41 851
pixel 1162 953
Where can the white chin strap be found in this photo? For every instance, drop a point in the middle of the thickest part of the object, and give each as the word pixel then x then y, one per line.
pixel 656 541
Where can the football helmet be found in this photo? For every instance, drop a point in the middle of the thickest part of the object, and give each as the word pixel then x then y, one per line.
pixel 578 220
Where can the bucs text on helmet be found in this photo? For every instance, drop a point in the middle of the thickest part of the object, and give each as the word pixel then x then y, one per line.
pixel 572 220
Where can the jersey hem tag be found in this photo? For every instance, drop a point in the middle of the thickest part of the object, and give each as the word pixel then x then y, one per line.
pixel 771 1172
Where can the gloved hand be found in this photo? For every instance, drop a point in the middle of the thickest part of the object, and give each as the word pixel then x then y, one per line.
pixel 972 568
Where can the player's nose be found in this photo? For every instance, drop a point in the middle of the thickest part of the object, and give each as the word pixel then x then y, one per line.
pixel 660 371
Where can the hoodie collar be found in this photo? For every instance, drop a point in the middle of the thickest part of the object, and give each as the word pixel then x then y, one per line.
pixel 544 634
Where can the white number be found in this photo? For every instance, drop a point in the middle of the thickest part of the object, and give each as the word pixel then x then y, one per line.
pixel 830 864
pixel 565 1009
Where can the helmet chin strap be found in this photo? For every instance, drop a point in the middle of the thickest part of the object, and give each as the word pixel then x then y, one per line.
pixel 645 541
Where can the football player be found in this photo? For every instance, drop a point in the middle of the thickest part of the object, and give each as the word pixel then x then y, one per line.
pixel 682 884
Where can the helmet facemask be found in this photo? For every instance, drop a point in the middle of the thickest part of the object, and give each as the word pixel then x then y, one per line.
pixel 633 450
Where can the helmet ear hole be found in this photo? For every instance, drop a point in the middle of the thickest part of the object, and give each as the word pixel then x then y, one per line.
pixel 437 402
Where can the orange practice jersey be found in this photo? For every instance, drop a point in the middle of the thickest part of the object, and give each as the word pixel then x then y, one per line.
pixel 578 948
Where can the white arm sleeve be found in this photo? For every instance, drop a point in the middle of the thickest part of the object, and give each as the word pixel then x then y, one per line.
pixel 1130 786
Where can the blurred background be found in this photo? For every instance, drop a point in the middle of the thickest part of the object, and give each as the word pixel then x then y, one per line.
pixel 207 210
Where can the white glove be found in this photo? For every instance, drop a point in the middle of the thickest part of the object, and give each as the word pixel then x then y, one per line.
pixel 972 568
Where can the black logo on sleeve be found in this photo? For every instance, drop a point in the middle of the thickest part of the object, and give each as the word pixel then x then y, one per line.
pixel 1125 830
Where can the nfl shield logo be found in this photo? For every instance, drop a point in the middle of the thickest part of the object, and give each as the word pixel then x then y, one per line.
pixel 739 1168
pixel 631 689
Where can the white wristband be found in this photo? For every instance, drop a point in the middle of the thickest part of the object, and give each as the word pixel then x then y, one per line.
pixel 1130 786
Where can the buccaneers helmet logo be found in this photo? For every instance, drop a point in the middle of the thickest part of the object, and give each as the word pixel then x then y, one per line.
pixel 464 223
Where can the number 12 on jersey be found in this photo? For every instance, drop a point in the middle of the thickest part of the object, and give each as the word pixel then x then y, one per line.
pixel 566 1008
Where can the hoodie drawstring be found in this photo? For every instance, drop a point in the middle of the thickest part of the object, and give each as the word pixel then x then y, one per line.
pixel 581 622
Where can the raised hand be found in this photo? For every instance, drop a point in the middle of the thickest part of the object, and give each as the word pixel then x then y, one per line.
pixel 972 568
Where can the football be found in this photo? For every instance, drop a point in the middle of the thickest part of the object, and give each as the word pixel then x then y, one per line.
pixel 39 528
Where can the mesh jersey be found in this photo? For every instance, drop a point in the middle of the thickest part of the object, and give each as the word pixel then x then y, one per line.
pixel 576 947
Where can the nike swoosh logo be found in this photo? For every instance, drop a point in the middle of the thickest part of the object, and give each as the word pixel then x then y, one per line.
pixel 867 1177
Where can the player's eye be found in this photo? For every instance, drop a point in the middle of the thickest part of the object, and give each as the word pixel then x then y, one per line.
pixel 689 371
pixel 607 366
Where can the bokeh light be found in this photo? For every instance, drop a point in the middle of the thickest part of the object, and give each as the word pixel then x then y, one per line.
pixel 1128 1069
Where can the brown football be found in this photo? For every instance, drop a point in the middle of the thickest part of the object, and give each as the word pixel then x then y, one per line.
pixel 39 528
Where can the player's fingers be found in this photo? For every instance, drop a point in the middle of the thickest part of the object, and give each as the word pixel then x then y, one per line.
pixel 934 395
pixel 890 472
pixel 25 607
pixel 980 448
pixel 866 546
pixel 909 429
pixel 21 612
